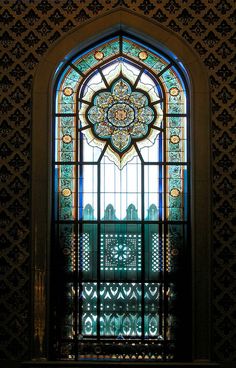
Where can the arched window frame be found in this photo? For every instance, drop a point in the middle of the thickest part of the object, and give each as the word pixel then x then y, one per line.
pixel 200 179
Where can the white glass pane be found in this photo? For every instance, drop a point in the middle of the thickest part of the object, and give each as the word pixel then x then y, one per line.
pixel 120 188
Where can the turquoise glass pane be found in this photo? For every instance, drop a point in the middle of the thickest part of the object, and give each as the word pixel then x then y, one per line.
pixel 110 49
pixel 120 309
pixel 130 49
pixel 152 60
pixel 87 252
pixel 65 144
pixel 153 303
pixel 177 192
pixel 70 78
pixel 66 191
pixel 88 294
pixel 121 252
pixel 176 139
pixel 154 252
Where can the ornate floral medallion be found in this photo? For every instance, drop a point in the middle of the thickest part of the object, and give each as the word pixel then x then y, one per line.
pixel 121 116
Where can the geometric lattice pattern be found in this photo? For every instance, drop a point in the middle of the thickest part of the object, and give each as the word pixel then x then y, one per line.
pixel 156 262
pixel 85 257
pixel 121 252
pixel 30 28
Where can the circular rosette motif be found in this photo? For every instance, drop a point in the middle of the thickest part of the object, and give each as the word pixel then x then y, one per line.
pixel 120 115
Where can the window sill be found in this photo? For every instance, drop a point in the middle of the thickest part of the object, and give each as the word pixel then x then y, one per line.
pixel 109 363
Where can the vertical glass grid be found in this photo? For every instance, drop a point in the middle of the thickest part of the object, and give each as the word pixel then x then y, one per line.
pixel 111 260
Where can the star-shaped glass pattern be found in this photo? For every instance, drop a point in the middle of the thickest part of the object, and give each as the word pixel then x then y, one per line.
pixel 121 115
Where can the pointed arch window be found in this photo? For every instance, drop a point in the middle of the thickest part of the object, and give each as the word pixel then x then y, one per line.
pixel 121 210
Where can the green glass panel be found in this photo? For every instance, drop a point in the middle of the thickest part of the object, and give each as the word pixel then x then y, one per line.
pixel 177 192
pixel 121 252
pixel 158 66
pixel 169 79
pixel 83 66
pixel 65 139
pixel 66 108
pixel 89 308
pixel 111 49
pixel 66 192
pixel 120 309
pixel 131 50
pixel 71 79
pixel 154 251
pixel 87 256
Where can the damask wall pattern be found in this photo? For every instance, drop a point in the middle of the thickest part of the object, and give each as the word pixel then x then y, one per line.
pixel 30 27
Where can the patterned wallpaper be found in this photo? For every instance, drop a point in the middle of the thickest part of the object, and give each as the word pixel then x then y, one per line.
pixel 30 27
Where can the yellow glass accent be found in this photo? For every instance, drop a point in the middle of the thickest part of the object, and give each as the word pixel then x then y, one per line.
pixel 174 192
pixel 67 138
pixel 174 91
pixel 99 55
pixel 143 55
pixel 174 139
pixel 68 91
pixel 66 192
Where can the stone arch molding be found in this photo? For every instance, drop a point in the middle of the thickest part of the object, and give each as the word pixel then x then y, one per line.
pixel 44 78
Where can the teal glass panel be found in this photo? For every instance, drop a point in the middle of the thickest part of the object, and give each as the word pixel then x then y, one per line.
pixel 177 192
pixel 110 49
pixel 82 66
pixel 65 144
pixel 66 104
pixel 102 53
pixel 89 309
pixel 120 309
pixel 66 191
pixel 169 80
pixel 154 252
pixel 70 78
pixel 148 58
pixel 121 252
pixel 176 140
pixel 175 92
pixel 87 252
pixel 153 301
pixel 130 49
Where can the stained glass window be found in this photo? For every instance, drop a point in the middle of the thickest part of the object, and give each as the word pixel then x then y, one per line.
pixel 121 211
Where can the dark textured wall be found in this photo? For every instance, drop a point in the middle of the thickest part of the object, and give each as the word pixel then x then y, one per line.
pixel 30 27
